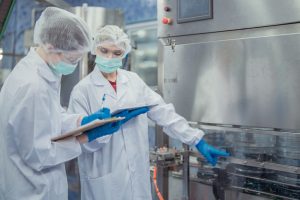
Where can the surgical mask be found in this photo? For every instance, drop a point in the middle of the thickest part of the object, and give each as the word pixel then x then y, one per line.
pixel 63 68
pixel 108 65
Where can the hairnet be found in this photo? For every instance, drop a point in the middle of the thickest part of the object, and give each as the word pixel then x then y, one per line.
pixel 111 34
pixel 63 30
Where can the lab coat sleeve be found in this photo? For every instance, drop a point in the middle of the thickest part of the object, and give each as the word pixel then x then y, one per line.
pixel 69 121
pixel 79 104
pixel 32 127
pixel 165 115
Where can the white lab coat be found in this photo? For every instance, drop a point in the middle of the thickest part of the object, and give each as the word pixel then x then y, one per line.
pixel 31 166
pixel 117 166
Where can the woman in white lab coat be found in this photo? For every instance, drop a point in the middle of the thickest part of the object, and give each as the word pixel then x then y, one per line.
pixel 117 166
pixel 31 166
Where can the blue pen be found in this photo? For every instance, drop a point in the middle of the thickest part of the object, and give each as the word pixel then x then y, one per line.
pixel 103 99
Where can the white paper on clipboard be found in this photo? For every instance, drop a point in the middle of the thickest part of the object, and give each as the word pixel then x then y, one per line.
pixel 86 127
pixel 118 110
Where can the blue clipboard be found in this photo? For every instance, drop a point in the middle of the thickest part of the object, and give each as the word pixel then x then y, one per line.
pixel 130 108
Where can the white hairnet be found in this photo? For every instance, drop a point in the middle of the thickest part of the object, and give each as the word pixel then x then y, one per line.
pixel 112 34
pixel 63 30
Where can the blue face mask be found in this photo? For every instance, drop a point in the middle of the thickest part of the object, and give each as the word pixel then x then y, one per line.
pixel 63 68
pixel 108 65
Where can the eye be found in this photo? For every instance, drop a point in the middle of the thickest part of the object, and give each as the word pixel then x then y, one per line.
pixel 118 53
pixel 103 50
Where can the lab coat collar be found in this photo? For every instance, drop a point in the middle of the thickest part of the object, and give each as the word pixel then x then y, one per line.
pixel 122 83
pixel 43 68
pixel 98 79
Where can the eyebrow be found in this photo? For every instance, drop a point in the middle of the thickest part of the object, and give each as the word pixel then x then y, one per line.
pixel 120 50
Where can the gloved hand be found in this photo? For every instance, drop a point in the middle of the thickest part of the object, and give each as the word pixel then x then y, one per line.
pixel 210 153
pixel 100 114
pixel 101 131
pixel 129 114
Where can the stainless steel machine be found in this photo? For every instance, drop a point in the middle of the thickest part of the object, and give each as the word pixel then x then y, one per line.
pixel 232 68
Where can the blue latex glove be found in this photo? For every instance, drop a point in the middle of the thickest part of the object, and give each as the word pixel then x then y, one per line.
pixel 101 131
pixel 129 114
pixel 210 153
pixel 100 114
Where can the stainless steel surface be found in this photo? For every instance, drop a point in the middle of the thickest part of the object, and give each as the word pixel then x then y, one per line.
pixel 265 165
pixel 200 191
pixel 255 175
pixel 143 57
pixel 161 140
pixel 236 75
pixel 232 15
pixel 162 180
pixel 186 173
pixel 252 163
pixel 225 138
pixel 240 81
pixel 160 69
pixel 287 150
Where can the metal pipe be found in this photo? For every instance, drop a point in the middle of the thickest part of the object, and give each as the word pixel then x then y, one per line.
pixel 161 139
pixel 186 173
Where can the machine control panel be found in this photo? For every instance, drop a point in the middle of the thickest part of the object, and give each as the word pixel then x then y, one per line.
pixel 193 10
pixel 208 16
pixel 173 12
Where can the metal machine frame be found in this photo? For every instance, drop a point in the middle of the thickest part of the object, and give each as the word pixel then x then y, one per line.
pixel 235 73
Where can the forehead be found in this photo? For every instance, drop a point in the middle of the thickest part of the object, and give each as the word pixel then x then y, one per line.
pixel 111 46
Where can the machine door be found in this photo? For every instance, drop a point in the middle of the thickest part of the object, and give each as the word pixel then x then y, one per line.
pixel 243 80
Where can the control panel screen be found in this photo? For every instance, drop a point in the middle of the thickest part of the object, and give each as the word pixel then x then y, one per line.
pixel 193 10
